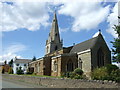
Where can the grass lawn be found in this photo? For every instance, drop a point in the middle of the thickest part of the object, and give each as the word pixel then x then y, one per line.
pixel 38 75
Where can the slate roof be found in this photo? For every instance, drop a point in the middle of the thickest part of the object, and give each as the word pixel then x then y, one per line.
pixel 22 61
pixel 84 45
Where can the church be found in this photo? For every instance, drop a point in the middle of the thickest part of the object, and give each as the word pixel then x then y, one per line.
pixel 57 60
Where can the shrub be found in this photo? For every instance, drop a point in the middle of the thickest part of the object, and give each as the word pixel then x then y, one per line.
pixel 72 75
pixel 117 79
pixel 10 71
pixel 3 71
pixel 100 73
pixel 29 73
pixel 78 77
pixel 78 71
pixel 111 68
pixel 20 71
pixel 67 74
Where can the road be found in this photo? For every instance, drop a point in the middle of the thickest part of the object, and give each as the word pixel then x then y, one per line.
pixel 18 84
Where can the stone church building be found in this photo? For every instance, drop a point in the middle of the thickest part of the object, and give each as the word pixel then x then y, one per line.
pixel 87 55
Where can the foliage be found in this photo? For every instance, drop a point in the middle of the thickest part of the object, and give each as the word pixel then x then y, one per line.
pixel 111 68
pixel 3 70
pixel 5 62
pixel 20 71
pixel 10 71
pixel 108 72
pixel 78 71
pixel 116 45
pixel 78 77
pixel 34 58
pixel 100 73
pixel 11 63
pixel 76 74
pixel 29 72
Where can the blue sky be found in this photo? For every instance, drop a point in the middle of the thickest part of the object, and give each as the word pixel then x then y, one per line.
pixel 26 25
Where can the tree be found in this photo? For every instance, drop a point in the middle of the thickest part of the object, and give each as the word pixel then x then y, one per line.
pixel 34 58
pixel 5 62
pixel 11 63
pixel 116 44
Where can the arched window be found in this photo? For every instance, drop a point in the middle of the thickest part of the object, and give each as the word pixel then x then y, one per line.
pixel 47 49
pixel 80 63
pixel 100 58
pixel 56 47
pixel 69 66
pixel 55 66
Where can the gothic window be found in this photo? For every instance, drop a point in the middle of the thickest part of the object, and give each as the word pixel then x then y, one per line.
pixel 69 66
pixel 55 66
pixel 80 63
pixel 47 49
pixel 100 58
pixel 56 47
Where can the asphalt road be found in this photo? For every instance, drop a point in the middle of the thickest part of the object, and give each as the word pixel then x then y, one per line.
pixel 18 84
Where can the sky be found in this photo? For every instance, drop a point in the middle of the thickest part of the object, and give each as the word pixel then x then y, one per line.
pixel 25 25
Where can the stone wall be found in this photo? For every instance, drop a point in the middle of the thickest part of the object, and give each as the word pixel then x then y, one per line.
pixel 86 62
pixel 62 83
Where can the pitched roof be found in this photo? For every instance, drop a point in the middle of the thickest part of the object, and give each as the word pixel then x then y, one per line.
pixel 84 45
pixel 22 61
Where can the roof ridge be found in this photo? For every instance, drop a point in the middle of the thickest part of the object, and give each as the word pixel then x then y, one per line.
pixel 87 40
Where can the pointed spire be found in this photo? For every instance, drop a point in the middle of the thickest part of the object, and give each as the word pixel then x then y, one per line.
pixel 54 33
pixel 54 37
pixel 55 17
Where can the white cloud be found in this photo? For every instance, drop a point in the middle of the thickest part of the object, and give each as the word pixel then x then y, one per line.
pixel 9 56
pixel 63 29
pixel 29 15
pixel 113 20
pixel 87 15
pixel 11 51
pixel 14 48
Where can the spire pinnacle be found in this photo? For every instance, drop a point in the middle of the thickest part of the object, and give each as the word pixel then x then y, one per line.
pixel 55 17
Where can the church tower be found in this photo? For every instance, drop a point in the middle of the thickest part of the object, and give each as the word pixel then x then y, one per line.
pixel 53 43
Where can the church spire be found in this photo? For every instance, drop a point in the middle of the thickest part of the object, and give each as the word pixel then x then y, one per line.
pixel 53 43
pixel 54 33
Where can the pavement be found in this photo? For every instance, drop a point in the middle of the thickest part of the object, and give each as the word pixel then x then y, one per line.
pixel 18 84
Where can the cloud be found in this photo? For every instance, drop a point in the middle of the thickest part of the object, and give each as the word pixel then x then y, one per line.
pixel 87 15
pixel 113 20
pixel 11 51
pixel 9 56
pixel 29 15
pixel 63 29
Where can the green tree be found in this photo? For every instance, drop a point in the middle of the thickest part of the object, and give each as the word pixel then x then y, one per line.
pixel 116 44
pixel 34 58
pixel 5 62
pixel 11 63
